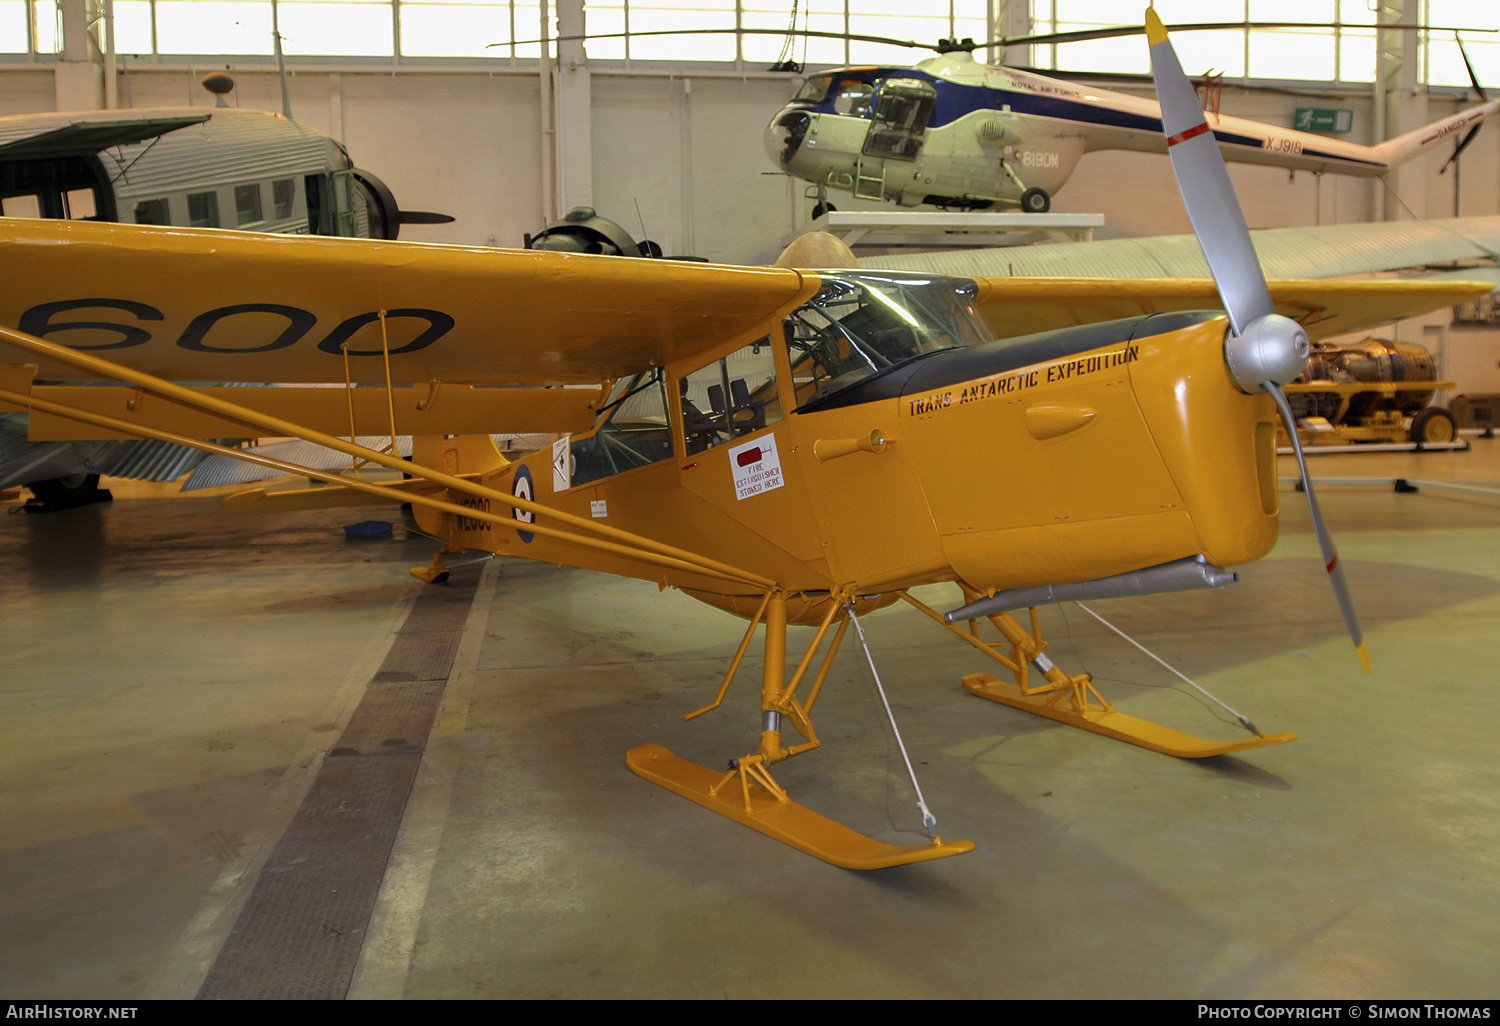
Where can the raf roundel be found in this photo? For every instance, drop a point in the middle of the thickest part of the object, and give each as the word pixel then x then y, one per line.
pixel 522 488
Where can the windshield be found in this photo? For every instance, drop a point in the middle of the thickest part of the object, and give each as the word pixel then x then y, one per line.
pixel 862 324
pixel 814 89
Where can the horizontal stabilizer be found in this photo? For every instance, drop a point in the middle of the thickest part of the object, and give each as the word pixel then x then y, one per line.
pixel 216 470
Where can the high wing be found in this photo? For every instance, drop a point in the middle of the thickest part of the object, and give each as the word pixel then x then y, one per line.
pixel 1328 251
pixel 287 308
pixel 1022 306
pixel 35 138
pixel 315 310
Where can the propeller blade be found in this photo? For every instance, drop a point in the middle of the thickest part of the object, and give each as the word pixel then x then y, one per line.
pixel 1265 350
pixel 1203 181
pixel 1325 540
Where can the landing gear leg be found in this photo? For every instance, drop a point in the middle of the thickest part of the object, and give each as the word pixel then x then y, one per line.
pixel 1032 201
pixel 758 801
pixel 1068 699
pixel 821 205
pixel 1035 201
pixel 436 573
pixel 66 493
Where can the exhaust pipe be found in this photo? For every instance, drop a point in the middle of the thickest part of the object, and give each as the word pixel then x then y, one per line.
pixel 1180 575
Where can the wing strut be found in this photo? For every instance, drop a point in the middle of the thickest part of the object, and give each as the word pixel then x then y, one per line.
pixel 584 532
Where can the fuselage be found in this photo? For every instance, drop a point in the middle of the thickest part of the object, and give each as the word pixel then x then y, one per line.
pixel 953 131
pixel 1059 457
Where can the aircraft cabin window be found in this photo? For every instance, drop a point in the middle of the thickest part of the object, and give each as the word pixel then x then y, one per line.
pixel 80 204
pixel 152 211
pixel 247 204
pixel 21 206
pixel 203 210
pixel 861 325
pixel 635 434
pixel 283 196
pixel 730 398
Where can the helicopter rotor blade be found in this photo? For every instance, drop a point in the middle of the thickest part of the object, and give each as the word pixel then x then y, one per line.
pixel 1473 78
pixel 1459 149
pixel 949 45
pixel 1264 350
pixel 813 33
pixel 1116 31
pixel 1479 91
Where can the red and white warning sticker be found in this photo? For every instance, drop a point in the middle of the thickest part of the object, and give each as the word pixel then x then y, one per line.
pixel 756 467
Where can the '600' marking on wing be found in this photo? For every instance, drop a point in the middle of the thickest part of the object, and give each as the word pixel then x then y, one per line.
pixel 38 321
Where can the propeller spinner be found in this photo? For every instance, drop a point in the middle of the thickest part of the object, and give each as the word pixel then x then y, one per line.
pixel 1264 350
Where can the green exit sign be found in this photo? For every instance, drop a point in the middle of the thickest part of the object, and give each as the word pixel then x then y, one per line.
pixel 1323 119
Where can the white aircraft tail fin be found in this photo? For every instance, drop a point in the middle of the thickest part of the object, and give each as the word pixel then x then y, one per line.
pixel 1403 148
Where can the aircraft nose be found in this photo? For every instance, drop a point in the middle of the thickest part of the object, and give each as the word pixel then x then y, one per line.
pixel 784 136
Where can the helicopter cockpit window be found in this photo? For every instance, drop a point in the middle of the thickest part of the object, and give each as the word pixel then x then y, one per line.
pixel 814 89
pixel 730 398
pixel 901 113
pixel 853 98
pixel 635 432
pixel 861 325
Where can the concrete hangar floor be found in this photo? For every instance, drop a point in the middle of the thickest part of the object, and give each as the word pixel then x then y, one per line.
pixel 253 757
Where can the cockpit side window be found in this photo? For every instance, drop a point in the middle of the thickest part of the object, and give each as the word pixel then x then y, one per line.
pixel 730 398
pixel 635 433
pixel 853 98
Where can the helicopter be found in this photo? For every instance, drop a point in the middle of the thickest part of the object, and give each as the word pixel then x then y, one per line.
pixel 792 446
pixel 954 133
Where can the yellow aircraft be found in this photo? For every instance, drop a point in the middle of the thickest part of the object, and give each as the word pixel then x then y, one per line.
pixel 792 446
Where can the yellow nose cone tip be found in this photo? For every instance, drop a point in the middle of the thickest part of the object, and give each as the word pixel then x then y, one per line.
pixel 1156 32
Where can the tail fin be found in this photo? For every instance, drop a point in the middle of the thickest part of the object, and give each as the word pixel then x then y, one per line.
pixel 1403 148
